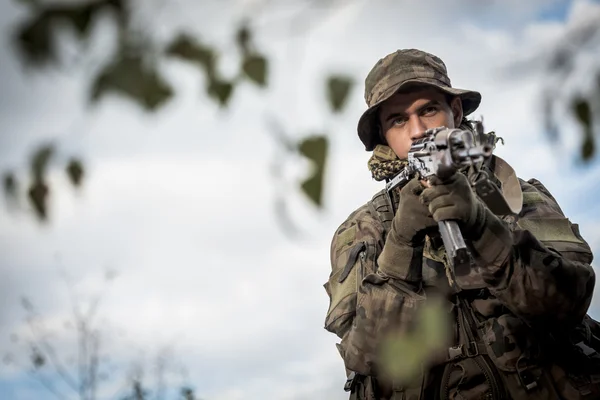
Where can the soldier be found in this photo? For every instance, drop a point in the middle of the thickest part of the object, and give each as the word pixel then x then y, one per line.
pixel 520 328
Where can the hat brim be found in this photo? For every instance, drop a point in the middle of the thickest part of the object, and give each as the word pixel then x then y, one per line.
pixel 368 124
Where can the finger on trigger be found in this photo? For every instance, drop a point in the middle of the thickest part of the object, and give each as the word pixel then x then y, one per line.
pixel 415 187
pixel 434 181
pixel 432 193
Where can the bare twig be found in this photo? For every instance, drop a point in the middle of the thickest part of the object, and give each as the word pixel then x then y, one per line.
pixel 160 376
pixel 40 342
pixel 82 333
pixel 93 370
pixel 36 375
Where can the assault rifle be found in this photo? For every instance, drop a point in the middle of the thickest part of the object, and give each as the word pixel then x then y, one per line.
pixel 442 152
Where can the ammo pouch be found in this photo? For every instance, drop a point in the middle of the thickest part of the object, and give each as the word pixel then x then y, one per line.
pixel 503 358
pixel 361 387
pixel 576 368
pixel 533 367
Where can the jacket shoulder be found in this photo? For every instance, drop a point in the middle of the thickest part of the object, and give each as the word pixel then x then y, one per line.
pixel 542 216
pixel 537 196
pixel 362 225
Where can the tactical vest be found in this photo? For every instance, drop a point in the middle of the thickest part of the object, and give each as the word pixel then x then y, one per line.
pixel 576 374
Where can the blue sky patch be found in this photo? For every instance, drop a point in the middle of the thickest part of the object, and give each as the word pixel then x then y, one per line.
pixel 555 11
pixel 23 388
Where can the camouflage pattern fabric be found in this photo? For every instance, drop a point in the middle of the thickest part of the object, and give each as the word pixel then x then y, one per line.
pixel 384 164
pixel 542 283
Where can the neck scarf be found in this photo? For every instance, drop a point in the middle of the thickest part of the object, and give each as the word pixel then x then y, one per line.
pixel 384 163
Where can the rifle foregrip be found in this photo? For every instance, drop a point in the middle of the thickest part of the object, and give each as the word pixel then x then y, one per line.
pixel 455 247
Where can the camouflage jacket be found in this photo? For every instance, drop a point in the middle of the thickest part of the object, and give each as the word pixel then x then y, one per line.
pixel 544 282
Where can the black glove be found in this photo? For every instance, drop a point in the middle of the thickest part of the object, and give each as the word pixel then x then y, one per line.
pixel 453 199
pixel 402 254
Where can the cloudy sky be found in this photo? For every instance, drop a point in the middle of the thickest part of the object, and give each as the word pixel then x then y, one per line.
pixel 180 203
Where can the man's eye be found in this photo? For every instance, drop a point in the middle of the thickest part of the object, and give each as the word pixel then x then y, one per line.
pixel 398 121
pixel 430 110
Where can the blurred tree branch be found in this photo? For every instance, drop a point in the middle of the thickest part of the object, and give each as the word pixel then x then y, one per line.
pixel 48 367
pixel 133 72
pixel 571 71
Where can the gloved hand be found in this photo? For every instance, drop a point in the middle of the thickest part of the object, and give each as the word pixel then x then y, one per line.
pixel 453 199
pixel 402 254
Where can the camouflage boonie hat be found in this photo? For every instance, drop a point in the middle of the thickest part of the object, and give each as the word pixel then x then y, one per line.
pixel 396 70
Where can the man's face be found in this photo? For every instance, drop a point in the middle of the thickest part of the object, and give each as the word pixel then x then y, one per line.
pixel 406 115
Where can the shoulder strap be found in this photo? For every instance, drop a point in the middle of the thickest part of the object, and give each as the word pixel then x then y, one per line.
pixel 381 205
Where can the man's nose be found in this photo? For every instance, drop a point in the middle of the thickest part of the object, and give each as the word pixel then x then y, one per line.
pixel 417 128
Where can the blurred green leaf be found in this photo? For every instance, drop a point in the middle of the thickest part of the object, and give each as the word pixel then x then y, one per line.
pixel 588 146
pixel 40 160
pixel 38 196
pixel 405 354
pixel 243 37
pixel 402 359
pixel 187 393
pixel 315 149
pixel 75 171
pixel 338 89
pixel 187 48
pixel 583 112
pixel 255 68
pixel 132 77
pixel 10 185
pixel 433 327
pixel 220 90
pixel 34 38
pixel 37 359
pixel 80 19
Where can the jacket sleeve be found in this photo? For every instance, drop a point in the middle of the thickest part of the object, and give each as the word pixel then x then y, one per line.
pixel 540 267
pixel 364 305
